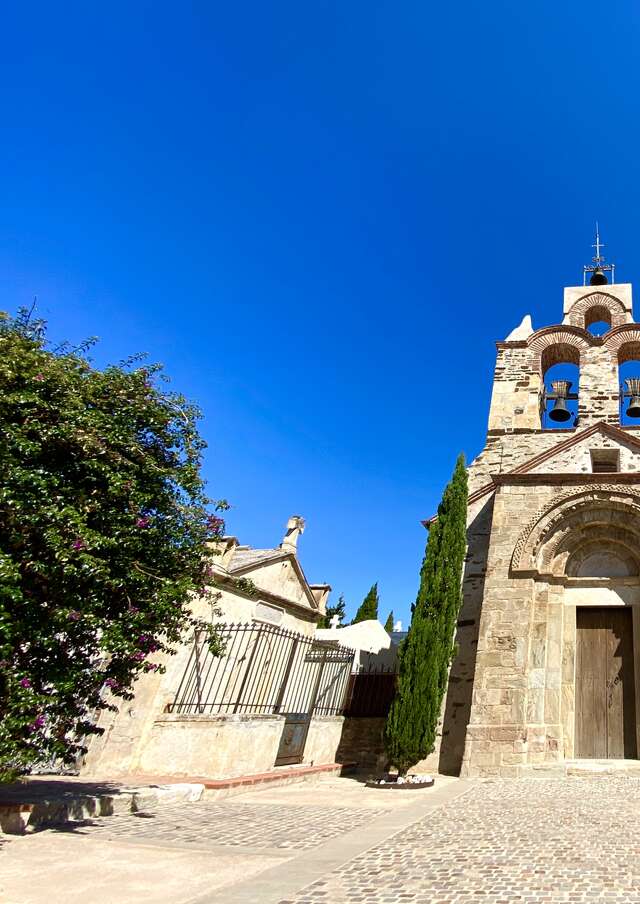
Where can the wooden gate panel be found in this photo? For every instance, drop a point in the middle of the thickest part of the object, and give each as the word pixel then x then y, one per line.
pixel 605 693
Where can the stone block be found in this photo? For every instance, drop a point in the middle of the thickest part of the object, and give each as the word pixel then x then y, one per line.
pixel 507 733
pixel 14 818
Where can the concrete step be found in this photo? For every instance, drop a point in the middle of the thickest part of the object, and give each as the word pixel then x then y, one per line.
pixel 53 801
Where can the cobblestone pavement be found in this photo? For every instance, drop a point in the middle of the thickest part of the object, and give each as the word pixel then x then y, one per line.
pixel 229 823
pixel 568 840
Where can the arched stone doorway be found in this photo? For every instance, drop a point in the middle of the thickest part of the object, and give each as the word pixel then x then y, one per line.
pixel 584 553
pixel 558 654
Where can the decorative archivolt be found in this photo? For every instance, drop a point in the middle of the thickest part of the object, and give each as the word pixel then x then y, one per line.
pixel 566 508
pixel 560 344
pixel 624 343
pixel 567 344
pixel 609 305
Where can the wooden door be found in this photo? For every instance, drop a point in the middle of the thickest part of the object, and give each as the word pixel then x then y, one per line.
pixel 605 691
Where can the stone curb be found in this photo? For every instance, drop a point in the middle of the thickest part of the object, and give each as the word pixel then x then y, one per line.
pixel 20 818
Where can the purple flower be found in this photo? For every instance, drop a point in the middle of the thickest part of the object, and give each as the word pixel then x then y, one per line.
pixel 37 723
pixel 139 656
pixel 146 642
pixel 133 609
pixel 143 522
pixel 24 682
pixel 78 544
pixel 215 525
pixel 111 682
pixel 74 615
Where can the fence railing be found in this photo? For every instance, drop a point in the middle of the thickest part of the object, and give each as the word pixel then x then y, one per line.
pixel 264 669
pixel 371 691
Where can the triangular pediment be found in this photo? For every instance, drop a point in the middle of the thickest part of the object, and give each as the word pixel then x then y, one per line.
pixel 564 457
pixel 573 455
pixel 278 574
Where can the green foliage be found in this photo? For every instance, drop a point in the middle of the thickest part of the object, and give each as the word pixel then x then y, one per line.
pixel 369 606
pixel 104 533
pixel 426 652
pixel 339 609
pixel 388 625
pixel 245 585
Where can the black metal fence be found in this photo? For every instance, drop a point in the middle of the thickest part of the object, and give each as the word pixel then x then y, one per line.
pixel 371 691
pixel 264 669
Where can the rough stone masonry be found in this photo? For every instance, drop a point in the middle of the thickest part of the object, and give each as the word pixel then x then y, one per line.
pixel 553 530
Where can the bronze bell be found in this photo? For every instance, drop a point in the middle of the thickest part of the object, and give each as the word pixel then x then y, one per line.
pixel 633 386
pixel 598 278
pixel 560 412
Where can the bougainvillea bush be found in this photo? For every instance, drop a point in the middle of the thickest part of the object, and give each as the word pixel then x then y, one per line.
pixel 104 533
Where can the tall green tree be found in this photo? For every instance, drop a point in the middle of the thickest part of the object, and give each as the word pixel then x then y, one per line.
pixel 368 607
pixel 427 650
pixel 340 609
pixel 388 625
pixel 105 530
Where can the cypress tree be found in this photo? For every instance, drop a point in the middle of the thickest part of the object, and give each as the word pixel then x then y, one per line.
pixel 369 606
pixel 339 609
pixel 427 650
pixel 388 625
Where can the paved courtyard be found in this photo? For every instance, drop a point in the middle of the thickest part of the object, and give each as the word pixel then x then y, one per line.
pixel 568 840
pixel 574 840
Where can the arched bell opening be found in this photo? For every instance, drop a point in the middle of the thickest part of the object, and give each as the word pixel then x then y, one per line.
pixel 560 366
pixel 629 379
pixel 597 320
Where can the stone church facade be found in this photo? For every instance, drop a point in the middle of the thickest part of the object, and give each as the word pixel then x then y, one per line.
pixel 549 632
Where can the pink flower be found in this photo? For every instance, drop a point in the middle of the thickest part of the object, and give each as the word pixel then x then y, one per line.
pixel 143 522
pixel 74 615
pixel 215 524
pixel 24 682
pixel 39 377
pixel 78 544
pixel 139 656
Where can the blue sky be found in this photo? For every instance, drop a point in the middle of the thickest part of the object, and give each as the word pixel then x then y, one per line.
pixel 320 217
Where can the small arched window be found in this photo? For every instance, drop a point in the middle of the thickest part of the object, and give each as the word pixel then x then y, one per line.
pixel 597 320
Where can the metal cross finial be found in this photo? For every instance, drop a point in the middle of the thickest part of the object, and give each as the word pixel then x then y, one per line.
pixel 598 245
pixel 598 267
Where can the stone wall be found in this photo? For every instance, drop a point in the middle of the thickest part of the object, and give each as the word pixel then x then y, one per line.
pixel 523 707
pixel 509 702
pixel 213 746
pixel 216 747
pixel 323 739
pixel 362 743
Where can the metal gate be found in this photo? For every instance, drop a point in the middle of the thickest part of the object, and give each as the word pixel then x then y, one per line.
pixel 268 670
pixel 322 684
